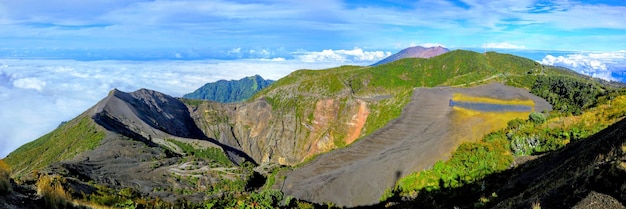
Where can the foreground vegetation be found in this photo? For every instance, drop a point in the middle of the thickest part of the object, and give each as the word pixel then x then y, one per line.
pixel 5 175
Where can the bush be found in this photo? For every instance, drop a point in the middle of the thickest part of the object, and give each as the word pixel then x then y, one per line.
pixel 566 94
pixel 537 118
pixel 52 192
pixel 5 175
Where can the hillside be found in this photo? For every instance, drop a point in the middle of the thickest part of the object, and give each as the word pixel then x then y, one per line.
pixel 414 52
pixel 164 148
pixel 230 91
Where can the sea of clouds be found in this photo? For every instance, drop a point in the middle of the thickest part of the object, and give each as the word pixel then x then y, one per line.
pixel 606 65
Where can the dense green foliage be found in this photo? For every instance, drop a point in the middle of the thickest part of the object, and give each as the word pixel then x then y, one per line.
pixel 537 118
pixel 566 94
pixel 65 142
pixel 215 154
pixel 230 91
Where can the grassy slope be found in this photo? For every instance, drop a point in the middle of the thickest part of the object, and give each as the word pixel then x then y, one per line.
pixel 63 143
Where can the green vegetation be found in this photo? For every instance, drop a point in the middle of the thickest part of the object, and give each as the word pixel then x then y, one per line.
pixel 192 102
pixel 76 136
pixel 537 118
pixel 215 154
pixel 469 163
pixel 5 175
pixel 51 190
pixel 566 94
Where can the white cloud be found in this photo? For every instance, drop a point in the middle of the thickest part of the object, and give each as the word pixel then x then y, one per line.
pixel 37 95
pixel 428 45
pixel 600 65
pixel 342 56
pixel 30 83
pixel 502 45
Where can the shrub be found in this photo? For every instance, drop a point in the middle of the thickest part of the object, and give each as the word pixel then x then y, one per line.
pixel 537 118
pixel 52 192
pixel 5 181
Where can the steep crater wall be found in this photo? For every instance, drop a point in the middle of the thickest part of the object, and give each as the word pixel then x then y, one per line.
pixel 282 136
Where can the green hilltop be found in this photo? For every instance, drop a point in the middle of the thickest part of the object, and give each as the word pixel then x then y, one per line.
pixel 230 91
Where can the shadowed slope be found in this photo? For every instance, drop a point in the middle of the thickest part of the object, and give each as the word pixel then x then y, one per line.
pixel 152 117
pixel 153 113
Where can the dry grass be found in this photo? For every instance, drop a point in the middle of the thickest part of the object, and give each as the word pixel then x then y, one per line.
pixel 466 98
pixel 536 205
pixel 52 191
pixel 5 175
pixel 476 124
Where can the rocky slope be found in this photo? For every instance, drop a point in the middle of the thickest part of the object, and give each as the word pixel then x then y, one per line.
pixel 414 52
pixel 230 91
pixel 152 116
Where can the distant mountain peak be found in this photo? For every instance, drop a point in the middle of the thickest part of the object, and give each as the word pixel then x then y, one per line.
pixel 230 91
pixel 414 52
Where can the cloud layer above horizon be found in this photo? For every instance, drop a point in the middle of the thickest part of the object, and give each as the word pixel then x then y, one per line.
pixel 607 65
pixel 287 26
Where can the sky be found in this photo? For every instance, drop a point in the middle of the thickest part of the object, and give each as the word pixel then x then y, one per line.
pixel 279 27
pixel 60 57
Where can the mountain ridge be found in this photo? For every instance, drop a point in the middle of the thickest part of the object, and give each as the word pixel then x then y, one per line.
pixel 230 91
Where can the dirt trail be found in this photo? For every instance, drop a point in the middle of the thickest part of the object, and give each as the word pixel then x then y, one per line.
pixel 359 174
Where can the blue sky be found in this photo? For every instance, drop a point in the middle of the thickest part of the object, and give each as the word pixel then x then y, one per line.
pixel 281 27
